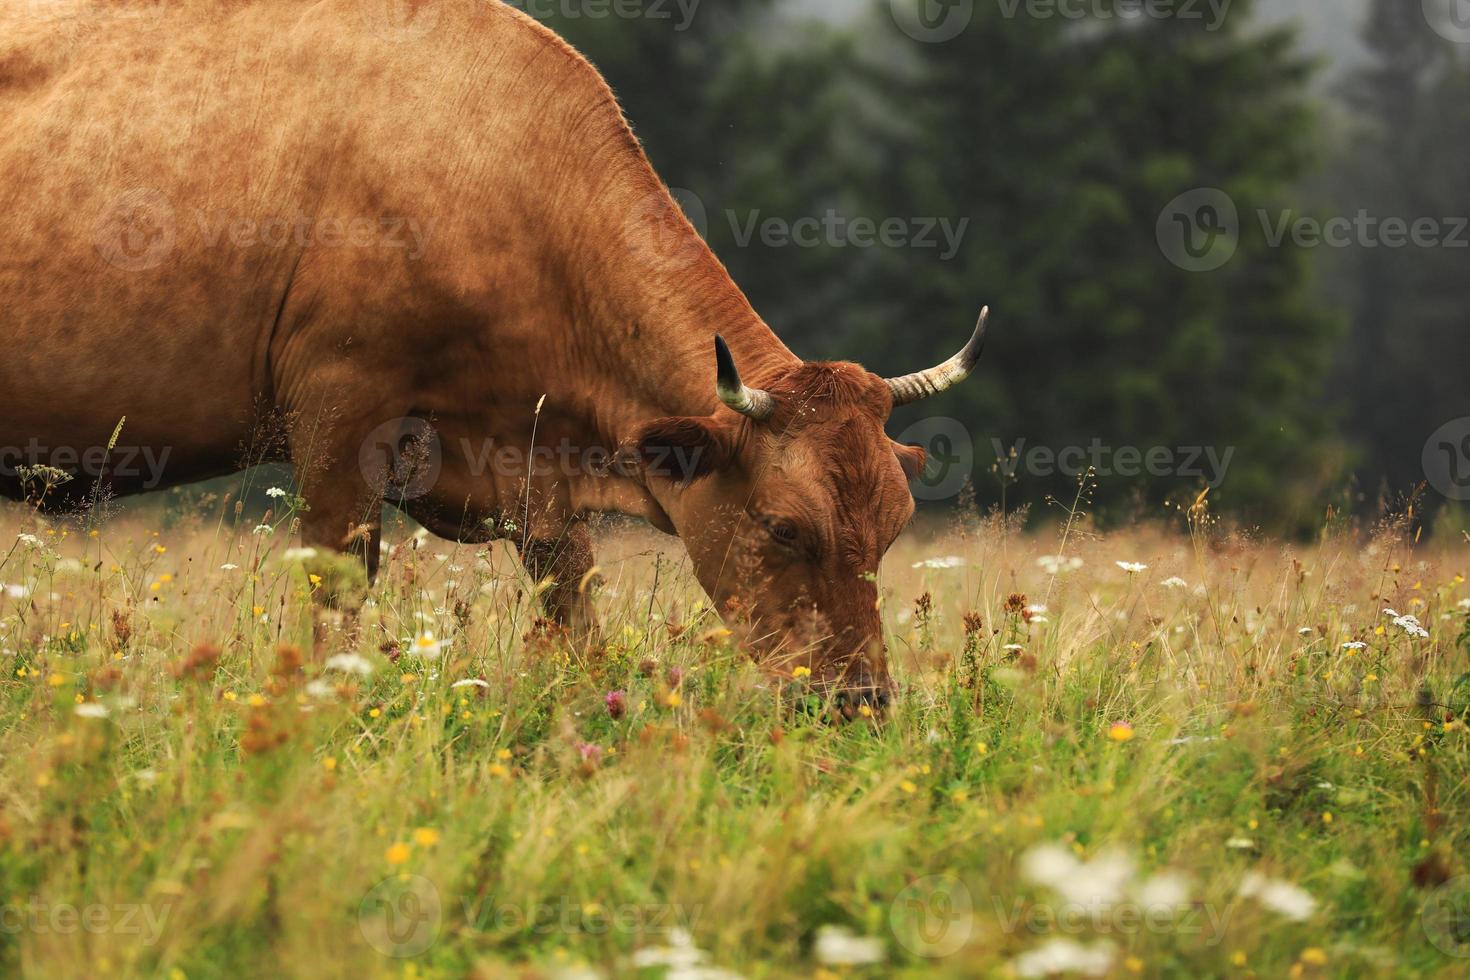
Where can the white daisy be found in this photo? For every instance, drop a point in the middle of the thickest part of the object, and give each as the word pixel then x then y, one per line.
pixel 350 663
pixel 1131 567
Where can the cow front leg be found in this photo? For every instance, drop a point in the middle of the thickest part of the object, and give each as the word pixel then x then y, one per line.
pixel 567 562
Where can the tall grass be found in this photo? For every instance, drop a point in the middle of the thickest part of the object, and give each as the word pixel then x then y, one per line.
pixel 208 798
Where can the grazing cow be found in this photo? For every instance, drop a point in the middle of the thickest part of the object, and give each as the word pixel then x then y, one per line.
pixel 316 231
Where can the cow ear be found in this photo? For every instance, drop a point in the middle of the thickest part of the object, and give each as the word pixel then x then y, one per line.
pixel 681 448
pixel 911 458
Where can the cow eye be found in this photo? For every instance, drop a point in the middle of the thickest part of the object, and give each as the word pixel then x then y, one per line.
pixel 783 532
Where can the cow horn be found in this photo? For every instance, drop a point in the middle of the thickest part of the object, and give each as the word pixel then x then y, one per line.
pixel 914 387
pixel 752 402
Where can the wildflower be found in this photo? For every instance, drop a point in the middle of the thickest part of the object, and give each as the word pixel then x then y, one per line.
pixel 674 699
pixel 1410 625
pixel 329 763
pixel 1282 897
pixel 424 645
pixel 56 680
pixel 1305 631
pixel 1056 564
pixel 837 946
pixel 499 771
pixel 801 672
pixel 298 554
pixel 1013 648
pixel 397 854
pixel 616 703
pixel 1354 645
pixel 1099 881
pixel 1120 731
pixel 320 689
pixel 680 955
pixel 263 529
pixel 1057 956
pixel 349 663
pixel 29 540
pixel 1035 609
pixel 1314 956
pixel 908 786
pixel 479 682
pixel 948 561
pixel 1174 582
pixel 228 566
pixel 90 709
pixel 426 836
pixel 1131 567
pixel 1465 604
pixel 275 492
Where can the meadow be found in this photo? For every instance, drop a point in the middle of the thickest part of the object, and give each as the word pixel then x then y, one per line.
pixel 1171 749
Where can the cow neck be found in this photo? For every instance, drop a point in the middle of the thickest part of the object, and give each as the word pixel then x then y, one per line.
pixel 655 337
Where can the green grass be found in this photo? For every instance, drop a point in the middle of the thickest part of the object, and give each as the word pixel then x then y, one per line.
pixel 249 816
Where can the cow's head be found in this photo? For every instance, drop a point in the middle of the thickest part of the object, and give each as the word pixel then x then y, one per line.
pixel 787 498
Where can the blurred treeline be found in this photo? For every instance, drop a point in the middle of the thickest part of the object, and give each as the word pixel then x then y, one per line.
pixel 1062 140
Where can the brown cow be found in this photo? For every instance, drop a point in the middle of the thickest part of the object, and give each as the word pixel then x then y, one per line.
pixel 344 216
